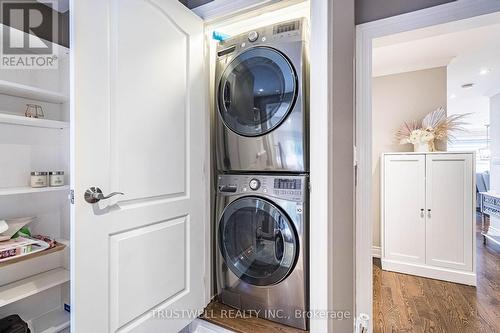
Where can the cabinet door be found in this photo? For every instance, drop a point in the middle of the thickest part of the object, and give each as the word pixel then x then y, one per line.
pixel 404 201
pixel 449 222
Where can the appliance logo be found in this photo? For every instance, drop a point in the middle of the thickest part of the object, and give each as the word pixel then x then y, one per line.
pixel 27 24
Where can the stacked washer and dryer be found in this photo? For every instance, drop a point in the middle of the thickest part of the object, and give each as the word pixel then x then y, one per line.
pixel 262 163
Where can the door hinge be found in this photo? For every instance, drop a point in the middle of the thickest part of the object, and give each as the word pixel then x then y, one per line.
pixel 71 196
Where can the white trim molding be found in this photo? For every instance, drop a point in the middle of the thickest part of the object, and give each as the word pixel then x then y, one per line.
pixel 376 252
pixel 365 33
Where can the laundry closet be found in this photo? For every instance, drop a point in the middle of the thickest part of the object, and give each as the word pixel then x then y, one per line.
pixel 261 163
pixel 130 119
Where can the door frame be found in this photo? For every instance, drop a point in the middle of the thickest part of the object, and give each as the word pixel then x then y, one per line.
pixel 331 231
pixel 365 33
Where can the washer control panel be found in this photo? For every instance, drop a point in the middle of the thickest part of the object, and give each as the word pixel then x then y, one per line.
pixel 292 188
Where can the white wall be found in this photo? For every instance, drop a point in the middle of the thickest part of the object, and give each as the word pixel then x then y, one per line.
pixel 398 98
pixel 495 150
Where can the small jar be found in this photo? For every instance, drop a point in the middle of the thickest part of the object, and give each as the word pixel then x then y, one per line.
pixel 38 179
pixel 56 178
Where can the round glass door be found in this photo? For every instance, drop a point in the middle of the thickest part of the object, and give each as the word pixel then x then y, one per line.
pixel 257 241
pixel 256 91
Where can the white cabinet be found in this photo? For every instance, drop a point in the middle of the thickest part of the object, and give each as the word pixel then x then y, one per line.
pixel 428 215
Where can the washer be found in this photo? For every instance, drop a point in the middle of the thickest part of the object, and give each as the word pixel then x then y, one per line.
pixel 261 100
pixel 261 232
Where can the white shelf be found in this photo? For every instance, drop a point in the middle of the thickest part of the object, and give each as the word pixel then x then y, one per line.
pixel 32 285
pixel 31 122
pixel 29 92
pixel 28 190
pixel 53 322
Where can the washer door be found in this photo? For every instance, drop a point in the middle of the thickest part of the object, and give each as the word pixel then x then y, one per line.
pixel 257 91
pixel 257 241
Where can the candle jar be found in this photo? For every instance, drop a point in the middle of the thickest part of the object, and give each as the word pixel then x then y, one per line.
pixel 34 111
pixel 56 178
pixel 38 179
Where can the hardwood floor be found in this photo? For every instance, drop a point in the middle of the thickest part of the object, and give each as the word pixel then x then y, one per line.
pixel 405 303
pixel 217 313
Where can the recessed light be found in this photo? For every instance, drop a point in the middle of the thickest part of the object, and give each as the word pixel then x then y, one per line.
pixel 467 85
pixel 452 96
pixel 484 71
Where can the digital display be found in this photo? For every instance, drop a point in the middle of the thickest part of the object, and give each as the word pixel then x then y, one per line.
pixel 287 184
pixel 291 26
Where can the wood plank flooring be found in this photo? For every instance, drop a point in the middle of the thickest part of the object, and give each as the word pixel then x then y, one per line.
pixel 217 313
pixel 405 303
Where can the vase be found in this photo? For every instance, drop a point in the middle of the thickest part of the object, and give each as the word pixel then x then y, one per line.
pixel 422 147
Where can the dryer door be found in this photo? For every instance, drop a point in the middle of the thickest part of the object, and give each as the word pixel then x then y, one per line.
pixel 258 241
pixel 257 91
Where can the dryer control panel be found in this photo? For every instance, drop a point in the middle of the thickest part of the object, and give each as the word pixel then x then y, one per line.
pixel 292 188
pixel 284 32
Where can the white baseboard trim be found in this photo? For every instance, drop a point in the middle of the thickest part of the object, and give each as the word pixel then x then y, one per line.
pixel 468 278
pixel 376 251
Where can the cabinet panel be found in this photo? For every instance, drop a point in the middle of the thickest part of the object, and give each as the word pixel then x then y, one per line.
pixel 404 201
pixel 449 212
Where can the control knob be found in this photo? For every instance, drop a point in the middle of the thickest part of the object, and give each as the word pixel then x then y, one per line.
pixel 253 36
pixel 254 184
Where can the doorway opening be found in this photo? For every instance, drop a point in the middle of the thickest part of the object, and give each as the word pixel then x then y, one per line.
pixel 421 194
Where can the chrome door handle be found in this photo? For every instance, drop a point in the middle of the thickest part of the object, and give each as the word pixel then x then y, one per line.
pixel 94 194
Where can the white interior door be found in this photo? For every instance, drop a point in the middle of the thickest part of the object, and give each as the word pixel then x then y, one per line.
pixel 139 115
pixel 450 227
pixel 404 203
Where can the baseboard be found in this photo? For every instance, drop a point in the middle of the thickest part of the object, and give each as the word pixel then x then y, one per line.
pixel 468 278
pixel 376 251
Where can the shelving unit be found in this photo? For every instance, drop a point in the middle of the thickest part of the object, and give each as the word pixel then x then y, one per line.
pixel 29 92
pixel 57 248
pixel 28 190
pixel 53 322
pixel 32 122
pixel 35 286
pixel 32 285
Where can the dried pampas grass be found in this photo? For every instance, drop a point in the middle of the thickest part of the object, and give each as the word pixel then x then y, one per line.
pixel 435 126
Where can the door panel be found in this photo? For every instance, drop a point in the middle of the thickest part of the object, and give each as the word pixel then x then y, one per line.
pixel 449 226
pixel 139 110
pixel 150 130
pixel 404 227
pixel 140 250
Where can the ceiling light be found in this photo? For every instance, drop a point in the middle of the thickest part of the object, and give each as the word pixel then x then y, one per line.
pixel 484 71
pixel 452 96
pixel 467 85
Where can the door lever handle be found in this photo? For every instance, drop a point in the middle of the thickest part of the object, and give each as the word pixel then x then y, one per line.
pixel 94 195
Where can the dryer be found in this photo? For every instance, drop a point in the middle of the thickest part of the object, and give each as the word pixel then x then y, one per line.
pixel 261 232
pixel 261 100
